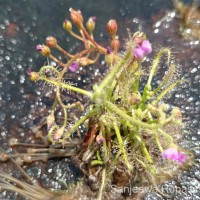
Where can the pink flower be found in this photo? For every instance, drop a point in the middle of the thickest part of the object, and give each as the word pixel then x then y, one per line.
pixel 73 67
pixel 174 154
pixel 142 49
pixel 146 47
pixel 138 52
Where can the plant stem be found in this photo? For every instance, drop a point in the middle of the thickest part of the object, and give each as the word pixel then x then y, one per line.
pixel 111 76
pixel 68 106
pixel 168 89
pixel 58 62
pixel 157 141
pixel 99 47
pixel 167 136
pixel 143 147
pixel 65 117
pixel 84 39
pixel 102 184
pixel 96 162
pixel 80 54
pixel 119 138
pixel 63 51
pixel 156 62
pixel 61 84
pixel 78 123
pixel 69 87
pixel 75 35
pixel 110 106
pixel 166 79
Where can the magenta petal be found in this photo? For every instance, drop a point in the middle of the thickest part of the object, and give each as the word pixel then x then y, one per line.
pixel 74 67
pixel 146 47
pixel 38 47
pixel 29 71
pixel 94 18
pixel 66 20
pixel 174 155
pixel 100 141
pixel 168 154
pixel 138 52
pixel 108 50
pixel 181 158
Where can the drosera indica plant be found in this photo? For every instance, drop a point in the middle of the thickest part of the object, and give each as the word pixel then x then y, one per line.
pixel 131 134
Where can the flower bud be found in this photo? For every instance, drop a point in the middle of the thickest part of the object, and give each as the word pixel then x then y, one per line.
pixel 112 27
pixel 43 49
pixel 134 100
pixel 67 25
pixel 76 16
pixel 84 61
pixel 33 76
pixel 51 42
pixel 109 58
pixel 58 133
pixel 99 139
pixel 91 24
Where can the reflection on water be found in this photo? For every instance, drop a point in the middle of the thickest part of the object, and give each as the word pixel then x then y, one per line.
pixel 25 23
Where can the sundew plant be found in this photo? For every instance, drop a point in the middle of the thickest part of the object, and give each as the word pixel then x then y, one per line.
pixel 131 134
